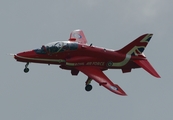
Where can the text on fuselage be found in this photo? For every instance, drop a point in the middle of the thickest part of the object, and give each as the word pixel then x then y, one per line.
pixel 96 63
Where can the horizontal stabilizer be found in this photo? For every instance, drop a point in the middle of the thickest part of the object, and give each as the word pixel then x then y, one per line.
pixel 147 66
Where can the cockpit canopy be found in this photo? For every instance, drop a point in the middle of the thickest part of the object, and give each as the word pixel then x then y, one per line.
pixel 58 46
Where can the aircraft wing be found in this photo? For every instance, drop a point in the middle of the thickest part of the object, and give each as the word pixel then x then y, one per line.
pixel 96 74
pixel 78 36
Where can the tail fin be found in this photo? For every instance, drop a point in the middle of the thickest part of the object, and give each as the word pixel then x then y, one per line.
pixel 137 46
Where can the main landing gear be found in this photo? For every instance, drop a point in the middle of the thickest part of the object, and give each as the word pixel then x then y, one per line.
pixel 88 87
pixel 26 68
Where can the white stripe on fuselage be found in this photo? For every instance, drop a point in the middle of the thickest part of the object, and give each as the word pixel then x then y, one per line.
pixel 122 63
pixel 42 59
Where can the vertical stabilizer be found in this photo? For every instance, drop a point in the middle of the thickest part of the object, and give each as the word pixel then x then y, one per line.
pixel 137 46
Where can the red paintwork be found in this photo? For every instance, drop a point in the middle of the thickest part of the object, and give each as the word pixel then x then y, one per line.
pixel 93 60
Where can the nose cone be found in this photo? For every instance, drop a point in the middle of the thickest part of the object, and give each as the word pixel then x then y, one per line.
pixel 25 56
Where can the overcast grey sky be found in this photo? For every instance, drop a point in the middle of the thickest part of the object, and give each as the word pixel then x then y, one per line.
pixel 49 93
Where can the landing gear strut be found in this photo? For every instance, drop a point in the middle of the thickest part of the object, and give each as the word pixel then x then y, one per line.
pixel 26 68
pixel 88 87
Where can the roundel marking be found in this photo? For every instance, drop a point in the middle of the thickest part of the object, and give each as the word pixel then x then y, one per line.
pixel 113 88
pixel 110 63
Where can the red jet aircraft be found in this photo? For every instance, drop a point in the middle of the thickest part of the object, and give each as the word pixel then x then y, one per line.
pixel 76 55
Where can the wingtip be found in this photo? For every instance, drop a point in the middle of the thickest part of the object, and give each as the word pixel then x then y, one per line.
pixel 120 91
pixel 158 76
pixel 123 94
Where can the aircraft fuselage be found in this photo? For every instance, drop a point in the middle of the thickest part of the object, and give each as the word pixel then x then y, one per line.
pixel 81 55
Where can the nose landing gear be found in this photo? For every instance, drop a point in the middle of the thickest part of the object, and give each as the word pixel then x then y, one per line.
pixel 26 70
pixel 88 87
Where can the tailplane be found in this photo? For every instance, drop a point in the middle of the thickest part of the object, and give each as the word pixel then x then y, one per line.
pixel 147 66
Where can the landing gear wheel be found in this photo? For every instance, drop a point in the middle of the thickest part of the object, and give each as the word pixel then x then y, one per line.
pixel 88 87
pixel 26 70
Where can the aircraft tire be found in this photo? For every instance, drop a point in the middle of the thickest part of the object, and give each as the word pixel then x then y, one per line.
pixel 26 70
pixel 88 88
